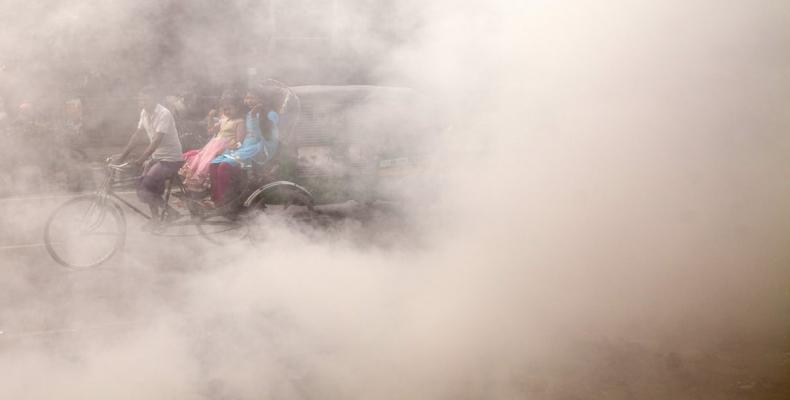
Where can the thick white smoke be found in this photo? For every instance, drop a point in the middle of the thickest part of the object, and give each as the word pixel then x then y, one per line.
pixel 611 223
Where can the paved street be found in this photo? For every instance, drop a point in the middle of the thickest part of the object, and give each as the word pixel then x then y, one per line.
pixel 149 269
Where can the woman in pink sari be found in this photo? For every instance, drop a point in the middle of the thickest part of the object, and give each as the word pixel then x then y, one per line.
pixel 229 132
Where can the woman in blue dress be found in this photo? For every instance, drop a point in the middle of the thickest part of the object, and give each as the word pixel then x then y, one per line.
pixel 258 147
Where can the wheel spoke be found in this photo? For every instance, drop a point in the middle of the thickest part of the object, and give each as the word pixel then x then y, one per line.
pixel 84 232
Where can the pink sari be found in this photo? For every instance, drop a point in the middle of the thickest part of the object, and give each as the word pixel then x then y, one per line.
pixel 196 169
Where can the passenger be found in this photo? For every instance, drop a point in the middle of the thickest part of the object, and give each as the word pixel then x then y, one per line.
pixel 229 133
pixel 259 146
pixel 164 149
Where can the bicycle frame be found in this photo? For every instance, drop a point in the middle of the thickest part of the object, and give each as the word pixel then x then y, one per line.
pixel 250 191
pixel 111 183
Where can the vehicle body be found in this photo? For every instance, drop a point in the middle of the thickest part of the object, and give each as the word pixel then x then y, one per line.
pixel 340 142
pixel 348 136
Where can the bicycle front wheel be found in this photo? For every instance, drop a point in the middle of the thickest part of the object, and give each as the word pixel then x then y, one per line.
pixel 85 232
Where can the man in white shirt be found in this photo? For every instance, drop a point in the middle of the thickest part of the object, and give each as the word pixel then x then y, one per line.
pixel 164 149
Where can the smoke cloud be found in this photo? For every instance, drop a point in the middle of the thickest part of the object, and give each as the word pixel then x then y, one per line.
pixel 602 213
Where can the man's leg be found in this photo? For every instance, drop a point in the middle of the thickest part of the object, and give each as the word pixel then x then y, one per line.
pixel 152 184
pixel 151 187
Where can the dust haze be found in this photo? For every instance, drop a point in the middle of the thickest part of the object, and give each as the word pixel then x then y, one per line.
pixel 602 214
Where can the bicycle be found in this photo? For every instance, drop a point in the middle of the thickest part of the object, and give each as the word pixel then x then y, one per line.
pixel 90 229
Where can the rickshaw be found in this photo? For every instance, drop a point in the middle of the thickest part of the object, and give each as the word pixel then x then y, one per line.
pixel 332 146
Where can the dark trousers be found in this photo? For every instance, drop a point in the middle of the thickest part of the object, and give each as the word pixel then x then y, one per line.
pixel 152 183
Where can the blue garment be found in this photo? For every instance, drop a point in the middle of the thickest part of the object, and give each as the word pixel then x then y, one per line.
pixel 254 147
pixel 271 144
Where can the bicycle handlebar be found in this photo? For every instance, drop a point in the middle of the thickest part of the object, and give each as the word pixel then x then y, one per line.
pixel 118 166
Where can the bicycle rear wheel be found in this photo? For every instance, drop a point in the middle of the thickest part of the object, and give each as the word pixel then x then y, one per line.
pixel 85 232
pixel 223 229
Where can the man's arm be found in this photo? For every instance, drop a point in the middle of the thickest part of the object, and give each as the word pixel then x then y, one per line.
pixel 157 139
pixel 130 145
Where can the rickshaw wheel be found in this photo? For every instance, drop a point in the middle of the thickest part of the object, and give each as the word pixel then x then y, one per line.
pixel 285 206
